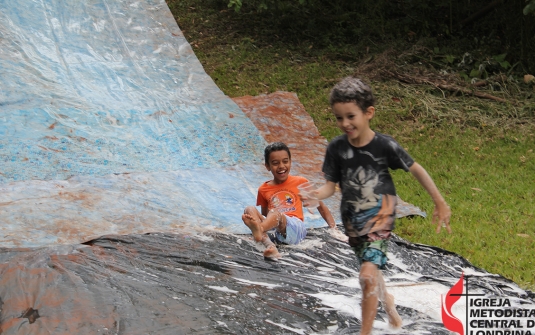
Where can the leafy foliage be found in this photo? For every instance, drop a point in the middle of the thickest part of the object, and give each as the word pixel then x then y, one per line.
pixel 495 27
pixel 530 7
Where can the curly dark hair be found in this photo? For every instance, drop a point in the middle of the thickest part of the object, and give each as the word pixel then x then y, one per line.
pixel 275 146
pixel 352 89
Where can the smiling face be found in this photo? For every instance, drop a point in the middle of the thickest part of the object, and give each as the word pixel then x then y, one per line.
pixel 279 164
pixel 354 122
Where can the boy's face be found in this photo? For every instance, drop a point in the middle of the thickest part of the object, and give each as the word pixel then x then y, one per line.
pixel 353 121
pixel 279 166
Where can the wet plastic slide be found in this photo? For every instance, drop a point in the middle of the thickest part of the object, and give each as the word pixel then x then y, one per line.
pixel 124 171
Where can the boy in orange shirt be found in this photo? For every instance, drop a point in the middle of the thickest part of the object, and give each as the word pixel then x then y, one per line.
pixel 281 207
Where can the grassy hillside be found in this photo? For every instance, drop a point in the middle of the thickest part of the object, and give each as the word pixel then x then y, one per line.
pixel 478 150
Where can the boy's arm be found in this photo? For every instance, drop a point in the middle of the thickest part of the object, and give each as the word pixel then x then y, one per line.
pixel 326 214
pixel 442 211
pixel 321 193
pixel 325 191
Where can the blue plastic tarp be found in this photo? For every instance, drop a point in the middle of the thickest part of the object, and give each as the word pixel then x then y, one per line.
pixel 100 87
pixel 108 123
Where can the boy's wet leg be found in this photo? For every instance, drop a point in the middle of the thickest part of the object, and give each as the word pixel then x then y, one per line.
pixel 260 225
pixel 368 278
pixel 388 300
pixel 271 250
pixel 273 220
pixel 253 219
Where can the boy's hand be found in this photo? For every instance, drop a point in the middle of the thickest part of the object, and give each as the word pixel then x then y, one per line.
pixel 442 212
pixel 308 198
pixel 304 199
pixel 441 216
pixel 326 214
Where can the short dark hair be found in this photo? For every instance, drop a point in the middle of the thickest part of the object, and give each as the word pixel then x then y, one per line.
pixel 352 89
pixel 275 146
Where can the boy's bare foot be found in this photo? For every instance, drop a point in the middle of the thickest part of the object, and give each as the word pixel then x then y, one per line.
pixel 254 225
pixel 272 252
pixel 390 308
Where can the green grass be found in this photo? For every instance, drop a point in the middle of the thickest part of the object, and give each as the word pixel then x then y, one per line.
pixel 491 196
pixel 480 153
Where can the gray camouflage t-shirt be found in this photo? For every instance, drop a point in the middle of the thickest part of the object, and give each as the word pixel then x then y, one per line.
pixel 368 192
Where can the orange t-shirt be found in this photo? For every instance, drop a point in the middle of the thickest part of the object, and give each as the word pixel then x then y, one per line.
pixel 284 197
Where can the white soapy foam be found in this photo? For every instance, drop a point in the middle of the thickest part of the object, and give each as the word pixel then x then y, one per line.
pixel 234 264
pixel 308 243
pixel 228 307
pixel 222 289
pixel 349 305
pixel 245 281
pixel 295 330
pixel 325 262
pixel 338 234
pixel 346 251
pixel 293 262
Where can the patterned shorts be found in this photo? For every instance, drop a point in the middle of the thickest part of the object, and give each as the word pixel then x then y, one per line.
pixel 373 248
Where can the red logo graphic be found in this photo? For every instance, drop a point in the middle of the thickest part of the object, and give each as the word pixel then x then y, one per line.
pixel 453 295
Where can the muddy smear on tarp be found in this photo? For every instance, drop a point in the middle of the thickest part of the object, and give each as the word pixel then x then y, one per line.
pixel 213 283
pixel 280 116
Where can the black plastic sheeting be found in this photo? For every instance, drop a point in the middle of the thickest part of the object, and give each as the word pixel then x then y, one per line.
pixel 213 283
